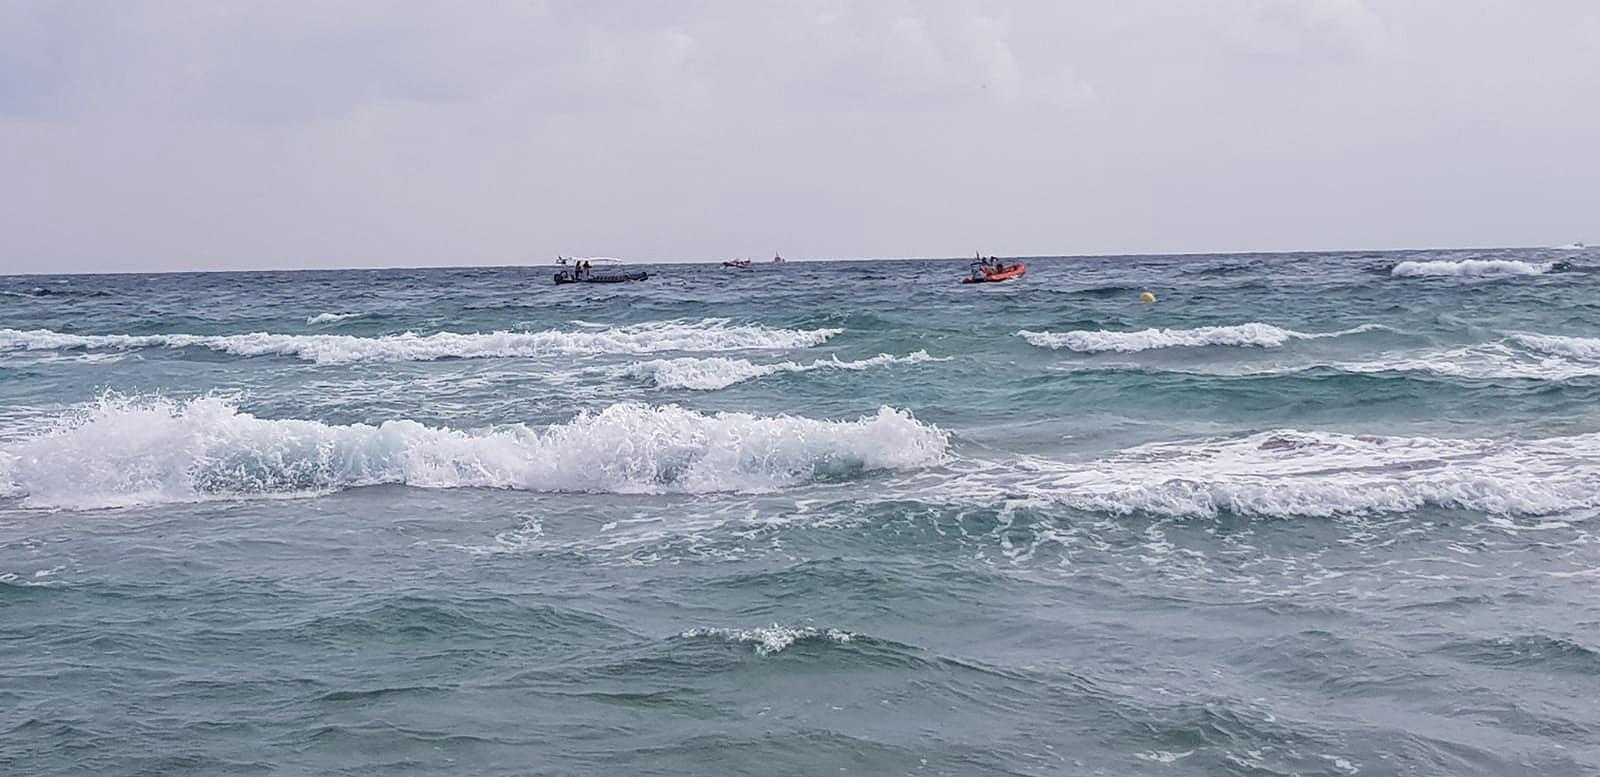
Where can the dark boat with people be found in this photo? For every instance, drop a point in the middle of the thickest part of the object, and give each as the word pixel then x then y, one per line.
pixel 589 276
pixel 582 271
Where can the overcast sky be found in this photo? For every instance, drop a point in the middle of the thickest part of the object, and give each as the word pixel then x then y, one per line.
pixel 219 134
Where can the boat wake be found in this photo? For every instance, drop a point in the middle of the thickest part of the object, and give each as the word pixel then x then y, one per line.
pixel 123 451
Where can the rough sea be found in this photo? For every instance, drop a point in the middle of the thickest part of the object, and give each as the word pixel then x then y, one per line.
pixel 1307 514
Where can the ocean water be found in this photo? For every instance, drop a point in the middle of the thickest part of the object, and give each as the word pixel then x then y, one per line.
pixel 1310 514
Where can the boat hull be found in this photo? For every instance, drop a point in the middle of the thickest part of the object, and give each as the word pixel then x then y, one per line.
pixel 564 278
pixel 996 276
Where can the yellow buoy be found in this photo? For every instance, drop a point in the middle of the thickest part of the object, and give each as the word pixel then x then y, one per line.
pixel 1147 298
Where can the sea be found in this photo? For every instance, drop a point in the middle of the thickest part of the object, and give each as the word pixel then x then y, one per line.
pixel 1303 514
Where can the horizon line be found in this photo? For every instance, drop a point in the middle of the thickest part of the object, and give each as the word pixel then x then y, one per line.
pixel 811 260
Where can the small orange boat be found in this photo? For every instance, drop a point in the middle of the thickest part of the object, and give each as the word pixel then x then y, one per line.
pixel 982 273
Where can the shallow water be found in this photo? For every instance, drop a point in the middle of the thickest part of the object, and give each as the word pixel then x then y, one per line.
pixel 1307 514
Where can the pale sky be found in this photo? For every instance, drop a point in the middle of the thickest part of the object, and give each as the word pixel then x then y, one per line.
pixel 222 134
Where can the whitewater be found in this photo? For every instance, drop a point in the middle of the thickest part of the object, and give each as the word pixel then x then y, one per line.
pixel 705 335
pixel 1314 514
pixel 136 451
pixel 1253 334
pixel 717 372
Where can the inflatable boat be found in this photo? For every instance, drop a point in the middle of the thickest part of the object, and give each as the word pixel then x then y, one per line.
pixel 995 273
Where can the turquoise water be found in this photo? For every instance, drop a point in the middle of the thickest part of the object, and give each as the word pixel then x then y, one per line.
pixel 1307 514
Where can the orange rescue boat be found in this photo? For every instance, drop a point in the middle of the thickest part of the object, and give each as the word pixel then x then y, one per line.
pixel 995 273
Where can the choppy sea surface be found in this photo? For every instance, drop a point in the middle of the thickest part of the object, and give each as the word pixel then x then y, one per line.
pixel 1308 514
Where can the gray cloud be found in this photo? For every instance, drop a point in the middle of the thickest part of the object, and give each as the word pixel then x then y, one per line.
pixel 166 135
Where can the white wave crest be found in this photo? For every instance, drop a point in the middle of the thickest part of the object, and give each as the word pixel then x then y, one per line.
pixel 1253 334
pixel 1317 474
pixel 1523 356
pixel 710 374
pixel 136 451
pixel 1552 359
pixel 771 639
pixel 705 335
pixel 1163 756
pixel 331 318
pixel 1490 361
pixel 1580 348
pixel 1469 268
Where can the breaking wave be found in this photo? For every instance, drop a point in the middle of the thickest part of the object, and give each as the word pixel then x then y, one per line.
pixel 771 639
pixel 331 318
pixel 1581 348
pixel 1316 474
pixel 122 452
pixel 710 374
pixel 1516 357
pixel 1253 334
pixel 706 335
pixel 1539 357
pixel 1470 268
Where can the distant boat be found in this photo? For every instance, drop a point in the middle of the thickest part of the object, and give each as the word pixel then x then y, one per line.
pixel 738 264
pixel 777 259
pixel 590 276
pixel 1572 247
pixel 992 270
pixel 579 269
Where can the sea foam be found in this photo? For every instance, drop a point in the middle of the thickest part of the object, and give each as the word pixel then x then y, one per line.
pixel 771 639
pixel 1318 474
pixel 331 318
pixel 1469 268
pixel 1519 357
pixel 137 451
pixel 691 336
pixel 1580 348
pixel 1253 334
pixel 718 372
